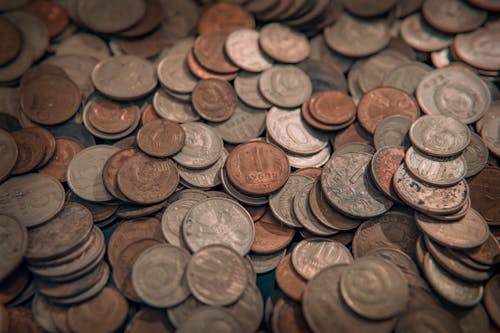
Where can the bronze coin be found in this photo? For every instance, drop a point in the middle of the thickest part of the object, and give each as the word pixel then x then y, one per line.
pixel 30 151
pixel 149 320
pixel 100 212
pixel 65 149
pixel 485 194
pixel 203 73
pixel 111 168
pixel 136 211
pixel 10 41
pixel 311 172
pixel 224 16
pixel 14 284
pixel 288 280
pixel 380 103
pixel 161 138
pixel 487 253
pixel 48 141
pixel 111 117
pixel 147 180
pixel 353 133
pixel 149 114
pixel 50 99
pixel 271 235
pixel 257 168
pixel 54 16
pixel 10 152
pixel 214 100
pixel 332 107
pixel 208 49
pixel 384 165
pixel 21 321
pixel 152 18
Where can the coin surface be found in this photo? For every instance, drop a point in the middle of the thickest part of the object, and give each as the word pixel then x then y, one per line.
pixel 283 43
pixel 288 280
pixel 242 47
pixel 384 165
pixel 417 33
pixel 226 17
pixel 9 148
pixel 491 292
pixel 285 85
pixel 172 70
pixel 246 85
pixel 203 73
pixel 110 117
pixel 158 275
pixel 271 235
pixel 211 319
pixel 172 218
pixel 228 278
pixel 452 17
pixel 204 178
pixel 20 319
pixel 423 318
pixel 466 46
pixel 332 107
pixel 34 32
pixel 30 151
pixel 149 320
pixel 214 100
pixel 161 138
pixel 14 245
pixel 113 17
pixel 11 41
pixel 392 131
pixel 476 155
pixel 208 49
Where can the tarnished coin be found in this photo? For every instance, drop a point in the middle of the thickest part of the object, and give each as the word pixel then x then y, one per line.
pixel 113 17
pixel 241 197
pixel 332 107
pixel 287 316
pixel 210 319
pixel 285 85
pixel 487 253
pixel 9 149
pixel 147 180
pixel 469 48
pixel 491 293
pixel 311 256
pixel 204 178
pixel 324 76
pixel 242 47
pixel 417 33
pixel 392 132
pixel 208 49
pixel 489 132
pixel 374 288
pixel 124 77
pixel 249 308
pixel 226 17
pixel 34 32
pixel 172 109
pixel 247 87
pixel 203 73
pixel 354 37
pixel 283 44
pixel 111 168
pixel 161 138
pixel 158 275
pixel 179 314
pixel 311 161
pixel 270 235
pixel 228 276
pixel 85 173
pixel 454 92
pixel 380 103
pixel 347 185
pixel 484 194
pixel 218 221
pixel 13 246
pixel 18 66
pixel 11 40
pixel 149 320
pixel 291 132
pixel 171 221
pixel 353 133
pixel 172 70
pixel 435 318
pixel 384 164
pixel 214 100
pixel 31 199
pixel 41 309
pixel 451 16
pixel 355 147
pixel 467 232
pixel 203 146
pixel 475 155
pixel 397 257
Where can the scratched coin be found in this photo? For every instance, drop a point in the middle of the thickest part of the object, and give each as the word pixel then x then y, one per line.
pixel 285 85
pixel 417 33
pixel 453 17
pixel 242 47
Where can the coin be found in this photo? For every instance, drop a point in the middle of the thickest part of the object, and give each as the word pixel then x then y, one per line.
pixel 283 43
pixel 466 47
pixel 384 165
pixel 287 316
pixel 332 107
pixel 14 245
pixel 257 168
pixel 214 100
pixel 353 133
pixel 172 218
pixel 226 17
pixel 20 319
pixel 208 50
pixel 324 76
pixel 406 77
pixel 228 222
pixel 19 65
pixel 475 155
pixel 172 109
pixel 30 152
pixel 487 253
pixel 392 132
pixel 491 293
pixel 360 8
pixel 161 138
pixel 249 308
pixel 285 85
pixel 172 70
pixel 113 17
pixel 9 148
pixel 111 118
pixel 14 284
pixel 42 313
pixel 204 178
pixel 241 197
pixel 152 18
pixel 242 47
pixel 484 194
pixel 201 72
pixel 111 169
pixel 33 30
pixel 423 318
pixel 246 86
pixel 265 263
pixel 321 51
pixel 210 319
pixel 397 257
pixel 270 235
pixel 11 41
pixel 149 320
pixel 288 280
pixel 31 199
pixel 417 33
pixel 313 172
pixel 489 133
pixel 452 17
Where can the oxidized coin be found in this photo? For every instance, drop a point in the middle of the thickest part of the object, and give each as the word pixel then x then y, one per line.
pixel 347 185
pixel 397 257
pixel 453 16
pixel 257 168
pixel 216 275
pixel 124 77
pixel 476 155
pixel 392 132
pixel 288 280
pixel 287 316
pixel 111 168
pixel 455 92
pixel 66 149
pixel 470 48
pixel 384 165
pixel 270 235
pixel 427 318
pixel 161 138
pixel 380 103
pixel 10 39
pixel 467 232
pixel 31 151
pixel 170 108
pixel 321 51
pixel 489 133
pixel 112 17
pixel 111 117
pixel 158 275
pixel 210 319
pixel 247 87
pixel 214 100
pixel 208 49
pixel 171 221
pixel 242 47
pixel 283 44
pixel 147 180
pixel 241 197
pixel 9 152
pixel 173 71
pixel 31 199
pixel 332 107
pixel 13 246
pixel 218 221
pixel 439 135
pixel 374 288
pixel 417 33
pixel 85 173
pixel 285 85
pixel 429 198
pixel 225 16
pixel 34 34
pixel 491 298
pixel 312 255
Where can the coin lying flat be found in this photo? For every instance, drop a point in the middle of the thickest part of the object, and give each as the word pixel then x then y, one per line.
pixel 204 178
pixel 432 318
pixel 225 16
pixel 453 17
pixel 208 49
pixel 246 85
pixel 172 70
pixel 33 30
pixel 242 47
pixel 270 235
pixel 172 109
pixel 149 320
pixel 384 165
pixel 332 107
pixel 283 44
pixel 475 155
pixel 214 100
pixel 392 131
pixel 210 319
pixel 171 222
pixel 285 85
pixel 31 151
pixel 161 138
pixel 14 245
pixel 417 33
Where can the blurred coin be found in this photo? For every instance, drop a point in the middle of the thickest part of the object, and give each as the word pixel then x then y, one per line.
pixel 392 132
pixel 241 197
pixel 246 86
pixel 201 72
pixel 208 49
pixel 288 317
pixel 423 318
pixel 285 86
pixel 321 51
pixel 476 155
pixel 21 319
pixel 204 178
pixel 14 246
pixel 113 17
pixel 9 148
pixel 468 47
pixel 33 30
pixel 42 314
pixel 111 169
pixel 214 100
pixel 418 34
pixel 451 16
pixel 384 165
pixel 153 16
pixel 84 44
pixel 324 76
pixel 149 320
pixel 11 41
pixel 248 309
pixel 283 44
pixel 377 66
pixel 406 77
pixel 288 280
pixel 172 219
pixel 242 47
pixel 161 138
pixel 226 17
pixel 30 151
pixel 270 235
pixel 264 263
pixel 491 293
pixel 210 319
pixel 172 109
pixel 487 253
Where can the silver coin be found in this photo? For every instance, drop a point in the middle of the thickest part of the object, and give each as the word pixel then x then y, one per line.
pixel 441 171
pixel 321 51
pixel 476 155
pixel 84 44
pixel 31 199
pixel 406 77
pixel 417 33
pixel 204 178
pixel 241 197
pixel 312 255
pixel 218 221
pixel 242 48
pixel 454 92
pixel 41 309
pixel 216 275
pixel 392 132
pixel 264 263
pixel 211 320
pixel 292 133
pixel 181 313
pixel 124 77
pixel 85 173
pixel 171 221
pixel 245 124
pixel 173 109
pixel 439 135
pixel 202 148
pixel 376 67
pixel 158 275
pixel 246 85
pixel 281 202
pixel 249 309
pixel 285 86
pixel 283 43
pixel 172 70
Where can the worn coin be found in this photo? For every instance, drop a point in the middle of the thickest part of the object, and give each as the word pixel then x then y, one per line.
pixel 224 16
pixel 475 155
pixel 361 8
pixel 241 197
pixel 11 40
pixel 248 309
pixel 417 33
pixel 270 235
pixel 112 17
pixel 246 85
pixel 216 275
pixel 384 165
pixel 172 109
pixel 110 117
pixel 161 138
pixel 171 221
pixel 201 72
pixel 487 253
pixel 84 44
pixel 287 316
pixel 451 16
pixel 353 133
pixel 489 133
pixel 242 47
pixel 265 263
pixel 377 66
pixel 172 70
pixel 283 43
pixel 469 48
pixel 311 161
pixel 214 100
pixel 9 151
pixel 14 245
pixel 111 168
pixel 30 150
pixel 406 77
pixel 211 319
pixel 392 132
pixel 399 258
pixel 285 86
pixel 435 318
pixel 41 309
pixel 321 51
pixel 332 107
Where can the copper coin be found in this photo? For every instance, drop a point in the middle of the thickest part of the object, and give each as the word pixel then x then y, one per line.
pixel 152 18
pixel 65 149
pixel 214 100
pixel 284 44
pixel 288 280
pixel 208 49
pixel 353 133
pixel 332 107
pixel 21 321
pixel 9 149
pixel 305 112
pixel 111 117
pixel 384 165
pixel 161 138
pixel 453 16
pixel 111 168
pixel 148 115
pixel 225 17
pixel 50 99
pixel 487 253
pixel 492 297
pixel 380 103
pixel 469 48
pixel 421 319
pixel 53 15
pixel 271 235
pixel 288 317
pixel 256 212
pixel 203 73
pixel 10 41
pixel 31 151
pixel 90 317
pixel 257 168
pixel 47 140
pixel 100 212
pixel 146 46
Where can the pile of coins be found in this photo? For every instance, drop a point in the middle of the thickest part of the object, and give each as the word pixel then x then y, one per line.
pixel 284 166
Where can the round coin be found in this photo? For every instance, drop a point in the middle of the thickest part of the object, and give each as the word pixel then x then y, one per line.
pixel 384 165
pixel 453 17
pixel 491 293
pixel 434 318
pixel 10 39
pixel 173 71
pixel 393 132
pixel 208 50
pixel 110 117
pixel 14 246
pixel 270 235
pixel 468 47
pixel 246 85
pixel 225 16
pixel 170 108
pixel 242 47
pixel 171 221
pixel 161 138
pixel 283 44
pixel 332 107
pixel 285 85
pixel 210 319
pixel 30 151
pixel 417 33
pixel 149 320
pixel 20 319
pixel 9 149
pixel 214 100
pixel 475 155
pixel 288 280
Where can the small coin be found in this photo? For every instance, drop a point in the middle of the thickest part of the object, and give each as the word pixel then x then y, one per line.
pixel 30 151
pixel 173 71
pixel 171 221
pixel 270 235
pixel 201 72
pixel 9 148
pixel 214 100
pixel 246 85
pixel 423 318
pixel 283 43
pixel 285 86
pixel 361 8
pixel 453 17
pixel 158 275
pixel 476 155
pixel 332 107
pixel 313 172
pixel 377 66
pixel 115 16
pixel 148 114
pixel 288 280
pixel 149 320
pixel 417 33
pixel 161 138
pixel 208 50
pixel 210 319
pixel 484 194
pixel 31 199
pixel 14 245
pixel 392 132
pixel 242 47
pixel 384 165
pixel 249 308
pixel 11 40
pixel 172 109
pixel 226 17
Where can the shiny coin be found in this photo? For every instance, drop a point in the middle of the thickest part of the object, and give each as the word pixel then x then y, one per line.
pixel 242 47
pixel 14 245
pixel 283 44
pixel 214 100
pixel 285 85
pixel 9 157
pixel 161 138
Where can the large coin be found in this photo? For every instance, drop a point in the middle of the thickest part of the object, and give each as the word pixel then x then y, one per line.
pixel 13 246
pixel 283 44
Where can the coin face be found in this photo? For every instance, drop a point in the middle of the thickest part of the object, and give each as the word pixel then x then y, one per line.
pixel 11 39
pixel 114 17
pixel 332 107
pixel 214 100
pixel 392 131
pixel 417 33
pixel 242 47
pixel 30 152
pixel 210 319
pixel 285 86
pixel 246 85
pixel 204 178
pixel 208 49
pixel 453 17
pixel 468 48
pixel 172 109
pixel 172 70
pixel 171 221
